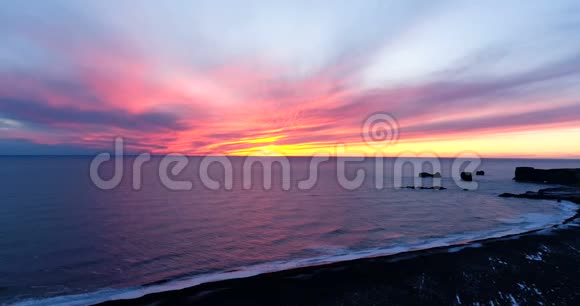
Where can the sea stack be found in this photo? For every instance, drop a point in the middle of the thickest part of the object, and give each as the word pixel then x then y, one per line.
pixel 548 176
pixel 466 176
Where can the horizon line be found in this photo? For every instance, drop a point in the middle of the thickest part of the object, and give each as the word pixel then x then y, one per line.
pixel 288 156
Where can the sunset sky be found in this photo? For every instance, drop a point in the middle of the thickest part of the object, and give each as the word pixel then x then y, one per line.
pixel 501 78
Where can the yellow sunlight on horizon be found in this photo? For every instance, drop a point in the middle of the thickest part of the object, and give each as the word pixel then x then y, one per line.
pixel 533 144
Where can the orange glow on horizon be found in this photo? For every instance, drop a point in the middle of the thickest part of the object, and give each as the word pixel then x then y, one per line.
pixel 236 109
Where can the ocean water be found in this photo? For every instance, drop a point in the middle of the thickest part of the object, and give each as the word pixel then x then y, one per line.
pixel 65 241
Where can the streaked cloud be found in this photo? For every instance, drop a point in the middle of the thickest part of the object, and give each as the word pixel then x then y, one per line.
pixel 221 77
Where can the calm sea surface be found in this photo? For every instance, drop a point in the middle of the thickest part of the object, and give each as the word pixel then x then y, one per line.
pixel 63 240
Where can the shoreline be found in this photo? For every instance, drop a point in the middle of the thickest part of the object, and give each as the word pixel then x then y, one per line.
pixel 360 278
pixel 217 288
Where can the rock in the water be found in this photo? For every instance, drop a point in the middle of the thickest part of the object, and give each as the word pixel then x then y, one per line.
pixel 466 176
pixel 480 172
pixel 549 176
pixel 428 188
pixel 426 174
pixel 566 194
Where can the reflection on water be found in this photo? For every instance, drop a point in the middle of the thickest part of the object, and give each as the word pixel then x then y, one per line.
pixel 62 235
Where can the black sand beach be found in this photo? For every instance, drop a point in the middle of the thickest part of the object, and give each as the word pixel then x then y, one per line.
pixel 537 268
